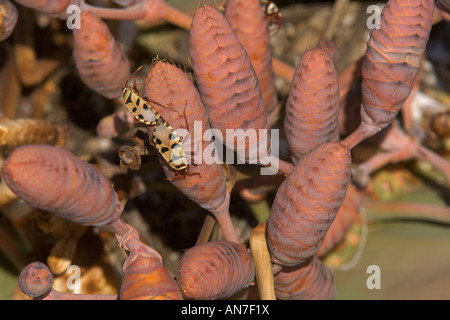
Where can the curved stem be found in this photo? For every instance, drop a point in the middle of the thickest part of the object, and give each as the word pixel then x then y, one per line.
pixel 285 167
pixel 337 14
pixel 363 132
pixel 282 69
pixel 407 210
pixel 116 14
pixel 442 164
pixel 176 17
pixel 225 223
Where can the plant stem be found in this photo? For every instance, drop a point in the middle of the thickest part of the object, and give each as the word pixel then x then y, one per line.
pixel 435 159
pixel 407 210
pixel 363 132
pixel 207 228
pixel 337 14
pixel 285 167
pixel 116 14
pixel 176 17
pixel 225 223
pixel 263 265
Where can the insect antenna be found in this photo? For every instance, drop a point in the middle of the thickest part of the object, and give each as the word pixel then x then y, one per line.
pixel 126 83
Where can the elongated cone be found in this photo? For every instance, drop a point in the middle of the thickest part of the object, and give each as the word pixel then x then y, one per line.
pixel 205 181
pixel 8 19
pixel 145 277
pixel 215 270
pixel 346 216
pixel 307 202
pixel 250 26
pixel 393 57
pixel 52 8
pixel 309 281
pixel 228 85
pixel 100 61
pixel 170 86
pixel 313 104
pixel 53 179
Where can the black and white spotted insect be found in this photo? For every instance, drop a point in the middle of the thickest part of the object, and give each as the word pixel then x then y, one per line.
pixel 165 139
pixel 141 107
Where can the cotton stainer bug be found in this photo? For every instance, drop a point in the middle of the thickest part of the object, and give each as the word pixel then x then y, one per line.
pixel 170 146
pixel 140 106
pixel 165 139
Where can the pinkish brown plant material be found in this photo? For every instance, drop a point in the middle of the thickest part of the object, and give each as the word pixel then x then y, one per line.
pixel 307 202
pixel 145 277
pixel 313 104
pixel 78 191
pixel 227 81
pixel 35 279
pixel 115 124
pixel 250 26
pixel 393 57
pixel 99 59
pixel 346 216
pixel 215 270
pixel 311 280
pixel 53 8
pixel 392 60
pixel 205 184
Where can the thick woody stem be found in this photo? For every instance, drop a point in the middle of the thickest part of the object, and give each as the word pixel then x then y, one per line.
pixel 363 132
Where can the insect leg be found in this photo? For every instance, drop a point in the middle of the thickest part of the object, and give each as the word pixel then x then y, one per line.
pixel 135 84
pixel 180 175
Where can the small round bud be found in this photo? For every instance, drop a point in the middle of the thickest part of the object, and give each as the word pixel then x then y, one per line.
pixel 35 279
